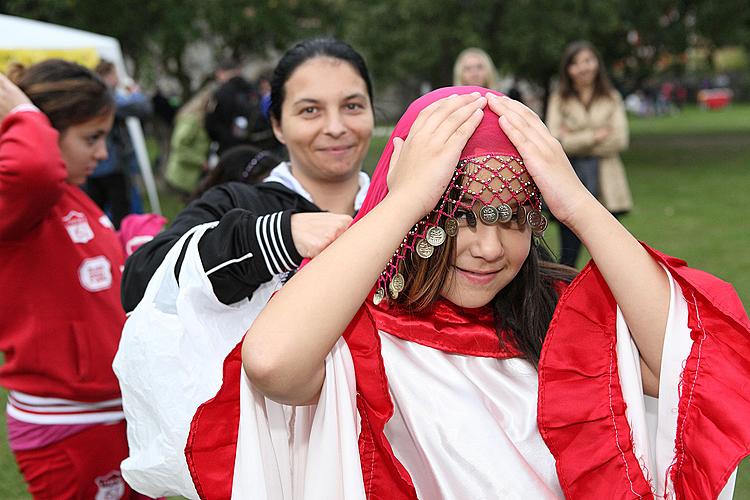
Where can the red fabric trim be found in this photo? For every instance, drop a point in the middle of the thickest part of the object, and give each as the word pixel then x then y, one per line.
pixel 581 412
pixel 712 431
pixel 212 442
pixel 447 327
pixel 385 478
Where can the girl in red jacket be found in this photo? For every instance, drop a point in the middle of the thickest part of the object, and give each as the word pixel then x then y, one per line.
pixel 59 300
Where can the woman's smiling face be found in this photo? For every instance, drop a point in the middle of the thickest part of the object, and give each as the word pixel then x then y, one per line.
pixel 326 119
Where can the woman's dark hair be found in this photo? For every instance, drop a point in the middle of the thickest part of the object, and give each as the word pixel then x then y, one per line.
pixel 602 84
pixel 66 92
pixel 246 164
pixel 304 51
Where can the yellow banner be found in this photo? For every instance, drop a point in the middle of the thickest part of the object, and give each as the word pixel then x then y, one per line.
pixel 88 57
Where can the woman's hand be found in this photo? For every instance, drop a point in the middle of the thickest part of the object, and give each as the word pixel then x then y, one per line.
pixel 543 157
pixel 601 134
pixel 422 166
pixel 10 96
pixel 312 232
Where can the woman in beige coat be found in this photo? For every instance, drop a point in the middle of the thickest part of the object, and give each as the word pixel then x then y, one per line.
pixel 587 116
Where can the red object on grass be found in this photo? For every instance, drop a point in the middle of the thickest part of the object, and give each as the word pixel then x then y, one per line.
pixel 715 98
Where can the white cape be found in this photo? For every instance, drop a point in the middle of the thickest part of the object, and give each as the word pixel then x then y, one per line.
pixel 170 361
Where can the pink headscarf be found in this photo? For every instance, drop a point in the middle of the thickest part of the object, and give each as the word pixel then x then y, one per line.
pixel 487 139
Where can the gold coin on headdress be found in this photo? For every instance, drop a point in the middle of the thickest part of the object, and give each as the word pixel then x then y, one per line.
pixel 451 226
pixel 539 231
pixel 488 214
pixel 435 236
pixel 504 212
pixel 521 215
pixel 424 249
pixel 379 296
pixel 397 283
pixel 393 293
pixel 534 218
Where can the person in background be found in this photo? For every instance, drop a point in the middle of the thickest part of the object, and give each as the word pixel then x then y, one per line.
pixel 587 115
pixel 59 301
pixel 474 67
pixel 110 185
pixel 189 146
pixel 246 164
pixel 309 199
pixel 264 87
pixel 233 114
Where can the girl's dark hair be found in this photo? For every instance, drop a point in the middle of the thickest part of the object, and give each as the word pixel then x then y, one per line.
pixel 66 92
pixel 246 164
pixel 602 84
pixel 526 305
pixel 304 51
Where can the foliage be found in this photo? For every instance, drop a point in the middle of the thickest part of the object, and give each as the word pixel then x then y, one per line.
pixel 157 35
pixel 408 41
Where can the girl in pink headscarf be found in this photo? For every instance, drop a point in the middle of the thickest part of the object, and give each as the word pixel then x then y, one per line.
pixel 433 351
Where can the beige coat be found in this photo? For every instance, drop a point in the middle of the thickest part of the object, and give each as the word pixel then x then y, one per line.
pixel 574 125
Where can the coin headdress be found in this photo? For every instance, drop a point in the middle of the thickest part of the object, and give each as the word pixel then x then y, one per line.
pixel 490 185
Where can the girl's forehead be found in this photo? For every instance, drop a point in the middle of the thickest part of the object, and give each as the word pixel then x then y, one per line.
pixel 494 181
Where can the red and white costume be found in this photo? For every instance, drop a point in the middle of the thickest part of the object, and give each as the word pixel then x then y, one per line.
pixel 461 416
pixel 430 406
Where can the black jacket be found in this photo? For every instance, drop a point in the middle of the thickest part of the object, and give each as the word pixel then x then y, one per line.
pixel 251 243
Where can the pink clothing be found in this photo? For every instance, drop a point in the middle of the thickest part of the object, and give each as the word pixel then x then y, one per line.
pixel 26 436
pixel 138 229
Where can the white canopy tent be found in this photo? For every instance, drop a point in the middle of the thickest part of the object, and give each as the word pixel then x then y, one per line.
pixel 30 41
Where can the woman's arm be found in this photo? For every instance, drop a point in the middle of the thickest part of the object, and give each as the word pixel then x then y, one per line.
pixel 256 238
pixel 285 348
pixel 637 282
pixel 578 142
pixel 619 136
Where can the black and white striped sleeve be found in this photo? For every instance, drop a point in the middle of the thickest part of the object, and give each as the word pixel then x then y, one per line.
pixel 273 248
pixel 244 251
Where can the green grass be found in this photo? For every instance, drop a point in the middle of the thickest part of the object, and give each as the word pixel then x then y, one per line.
pixel 690 177
pixel 695 121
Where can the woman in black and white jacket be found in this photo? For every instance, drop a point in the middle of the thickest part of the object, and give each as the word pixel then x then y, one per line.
pixel 229 250
pixel 322 111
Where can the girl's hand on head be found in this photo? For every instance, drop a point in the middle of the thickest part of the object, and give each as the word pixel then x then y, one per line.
pixel 543 157
pixel 422 166
pixel 10 96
